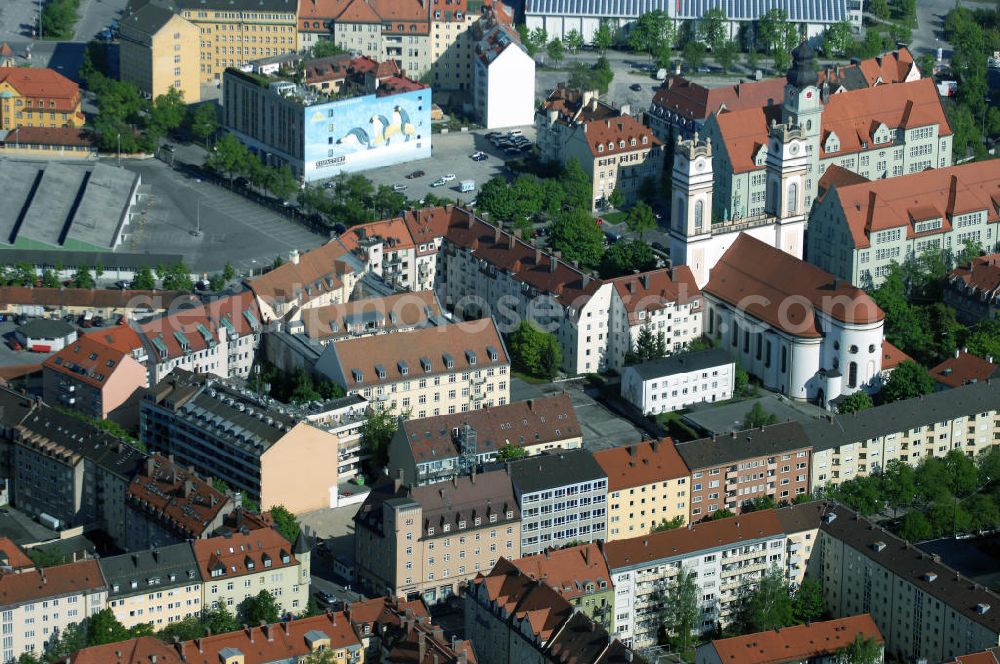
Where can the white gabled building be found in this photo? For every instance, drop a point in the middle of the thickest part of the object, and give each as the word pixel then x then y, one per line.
pixel 677 381
pixel 504 81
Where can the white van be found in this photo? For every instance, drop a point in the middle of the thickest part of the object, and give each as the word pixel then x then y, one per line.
pixel 467 185
pixel 515 132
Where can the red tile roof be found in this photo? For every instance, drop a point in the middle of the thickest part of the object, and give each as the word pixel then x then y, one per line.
pixel 175 497
pixel 798 643
pixel 523 597
pixel 901 202
pixel 696 537
pixel 319 10
pixel 392 232
pixel 777 288
pixel 892 67
pixel 656 289
pixel 234 552
pixel 58 136
pixel 573 104
pixel 981 277
pixel 963 368
pixel 615 135
pixel 429 224
pixel 991 656
pixel 358 11
pixel 45 84
pixel 74 578
pixel 240 310
pixel 692 101
pixel 745 132
pixel 892 357
pixel 402 310
pixel 13 556
pixel 569 571
pixel 641 463
pixel 88 359
pixel 317 271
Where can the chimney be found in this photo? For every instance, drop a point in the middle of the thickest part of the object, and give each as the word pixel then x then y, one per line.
pixel 188 488
pixel 538 255
pixel 438 634
pixel 150 466
pixel 645 280
pixel 249 632
pixel 957 353
pixel 179 646
pixel 293 257
pixel 421 645
pixel 496 235
pixel 511 239
pixel 553 263
pixel 264 627
pixel 586 280
pixel 398 482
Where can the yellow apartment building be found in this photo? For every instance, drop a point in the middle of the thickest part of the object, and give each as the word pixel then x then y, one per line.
pixel 31 97
pixel 156 587
pixel 159 50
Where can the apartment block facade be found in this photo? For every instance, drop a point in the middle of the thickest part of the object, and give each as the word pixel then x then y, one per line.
pixel 159 50
pixel 580 575
pixel 35 97
pixel 973 290
pixel 503 90
pixel 859 228
pixel 648 483
pixel 678 381
pixel 155 587
pixel 425 541
pixel 728 471
pixel 563 497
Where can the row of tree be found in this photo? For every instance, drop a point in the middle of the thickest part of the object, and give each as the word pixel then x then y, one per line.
pixel 172 277
pixel 293 387
pixel 974 35
pixel 232 159
pixel 940 496
pixel 353 199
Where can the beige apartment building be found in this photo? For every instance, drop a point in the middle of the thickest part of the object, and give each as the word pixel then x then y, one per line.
pixel 159 50
pixel 239 565
pixel 966 418
pixel 432 371
pixel 156 587
pixel 648 483
pixel 425 541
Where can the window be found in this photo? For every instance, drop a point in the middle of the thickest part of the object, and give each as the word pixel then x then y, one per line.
pixel 699 215
pixel 793 198
pixel 852 374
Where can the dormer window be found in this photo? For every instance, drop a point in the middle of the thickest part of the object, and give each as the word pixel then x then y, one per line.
pixel 632 142
pixel 470 355
pixel 621 144
pixel 404 369
pixel 425 364
pixel 493 354
pixel 449 361
pixel 430 530
pixel 611 146
pixel 380 371
pixel 600 147
pixel 645 139
pixel 446 528
pixel 358 376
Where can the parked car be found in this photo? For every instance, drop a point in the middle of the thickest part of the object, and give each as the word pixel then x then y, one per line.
pixel 21 319
pixel 399 186
pixel 438 183
pixel 493 134
pixel 448 177
pixel 98 321
pixel 415 174
pixel 479 156
pixel 515 132
pixel 636 87
pixel 14 345
pixel 326 599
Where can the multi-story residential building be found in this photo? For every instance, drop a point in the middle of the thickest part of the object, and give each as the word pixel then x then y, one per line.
pixel 615 150
pixel 878 132
pixel 325 275
pixel 580 575
pixel 71 471
pixel 456 368
pixel 504 89
pixel 425 541
pixel 796 327
pixel 218 338
pixel 231 33
pixel 681 107
pixel 155 587
pixel 387 250
pixel 400 312
pixel 981 656
pixel 726 557
pixel 435 449
pixel 973 290
pixel 90 302
pixel 860 444
pixel 232 434
pixel 238 565
pixel 287 641
pixel 729 471
pixel 665 302
pixel 925 610
pixel 496 606
pixel 648 484
pixel 962 368
pixel 13 559
pixel 95 376
pixel 678 381
pixel 168 503
pixel 35 97
pixel 159 50
pixel 427 227
pixel 369 123
pixel 563 497
pixel 38 605
pixel 586 16
pixel 859 228
pixel 811 642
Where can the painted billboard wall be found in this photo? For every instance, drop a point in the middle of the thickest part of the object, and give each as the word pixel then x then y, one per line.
pixel 366 132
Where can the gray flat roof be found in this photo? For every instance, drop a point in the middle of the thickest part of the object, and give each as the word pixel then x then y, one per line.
pixel 17 185
pixel 101 212
pixel 554 469
pixel 726 418
pixel 763 441
pixel 151 570
pixel 682 363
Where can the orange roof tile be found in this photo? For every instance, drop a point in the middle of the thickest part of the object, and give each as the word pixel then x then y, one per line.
pixel 59 136
pixel 232 553
pixel 653 290
pixel 319 10
pixel 13 556
pixel 615 135
pixel 46 84
pixel 696 102
pixel 744 132
pixel 392 232
pixel 375 314
pixel 177 498
pixel 892 357
pixel 195 322
pixel 74 578
pixel 318 270
pixel 775 279
pixel 798 643
pixel 524 598
pixel 963 368
pixel 569 571
pixel 991 656
pixel 88 359
pixel 980 277
pixel 641 463
pixel 358 11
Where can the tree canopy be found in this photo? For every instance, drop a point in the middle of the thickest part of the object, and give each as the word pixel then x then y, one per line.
pixel 533 351
pixel 578 237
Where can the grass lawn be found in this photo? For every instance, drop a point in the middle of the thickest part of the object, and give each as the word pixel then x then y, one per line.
pixel 528 378
pixel 615 217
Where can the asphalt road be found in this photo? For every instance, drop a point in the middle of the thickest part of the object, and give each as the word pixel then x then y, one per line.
pixel 18 19
pixel 95 16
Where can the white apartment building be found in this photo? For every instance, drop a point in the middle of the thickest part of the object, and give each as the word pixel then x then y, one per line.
pixel 431 371
pixel 504 82
pixel 38 605
pixel 155 587
pixel 860 227
pixel 802 331
pixel 677 381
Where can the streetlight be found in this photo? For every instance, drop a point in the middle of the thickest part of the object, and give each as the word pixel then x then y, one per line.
pixel 954 525
pixel 119 149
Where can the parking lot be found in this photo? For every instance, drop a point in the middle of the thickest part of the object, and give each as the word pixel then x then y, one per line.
pixel 452 154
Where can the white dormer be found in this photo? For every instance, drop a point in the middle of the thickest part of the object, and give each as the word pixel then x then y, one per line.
pixel 832 143
pixel 761 157
pixel 882 134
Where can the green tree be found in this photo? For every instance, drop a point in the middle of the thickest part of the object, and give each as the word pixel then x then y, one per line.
pixel 862 494
pixel 578 237
pixel 175 277
pixel 82 278
pixel 556 50
pixel 203 120
pixel 167 112
pixel 726 54
pixel 694 54
pixel 377 431
pixel 757 417
pixel 898 484
pixel 984 339
pixel 837 39
pixel 758 504
pixel 143 279
pixel 103 627
pixel 262 607
pixel 538 38
pixel 712 27
pixel 640 219
pixel 782 59
pixel 325 48
pixel 719 514
pixel 617 198
pixel 807 601
pixel 594 77
pixel 577 185
pixel 625 256
pixel 855 402
pixel 669 524
pixel 284 183
pixel 604 38
pixel 534 351
pixel 525 36
pixel 651 32
pixel 220 620
pixel 915 527
pixel 961 472
pixel 678 610
pixel 497 198
pixel 863 650
pixel 285 523
pixel 741 381
pixel 229 157
pixel 49 279
pixel 879 8
pixel 228 272
pixel 24 275
pixel 29 658
pixel 510 453
pixel 216 283
pixel 573 41
pixel 906 381
pixel 776 32
pixel 66 643
pixel 767 606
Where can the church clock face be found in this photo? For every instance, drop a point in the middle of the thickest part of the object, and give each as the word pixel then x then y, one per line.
pixel 699 165
pixel 809 94
pixel 794 148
